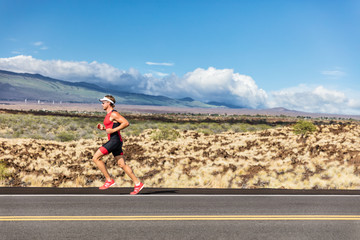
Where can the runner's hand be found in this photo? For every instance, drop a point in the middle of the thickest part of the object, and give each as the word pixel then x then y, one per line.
pixel 100 126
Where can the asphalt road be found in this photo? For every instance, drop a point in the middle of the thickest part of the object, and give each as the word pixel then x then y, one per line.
pixel 179 216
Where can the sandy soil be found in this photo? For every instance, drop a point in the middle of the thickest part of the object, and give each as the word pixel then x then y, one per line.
pixel 275 158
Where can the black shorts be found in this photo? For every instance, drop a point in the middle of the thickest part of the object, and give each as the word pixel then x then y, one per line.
pixel 112 146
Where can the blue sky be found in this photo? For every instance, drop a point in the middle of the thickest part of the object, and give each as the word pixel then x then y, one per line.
pixel 299 54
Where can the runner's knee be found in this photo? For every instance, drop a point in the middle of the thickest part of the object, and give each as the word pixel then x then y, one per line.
pixel 97 156
pixel 121 163
pixel 96 159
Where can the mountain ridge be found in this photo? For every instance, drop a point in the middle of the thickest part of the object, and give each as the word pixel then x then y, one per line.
pixel 19 86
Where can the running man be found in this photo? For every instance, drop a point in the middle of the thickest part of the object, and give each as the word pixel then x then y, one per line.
pixel 113 123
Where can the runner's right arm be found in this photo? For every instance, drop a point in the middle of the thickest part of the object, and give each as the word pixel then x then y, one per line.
pixel 100 126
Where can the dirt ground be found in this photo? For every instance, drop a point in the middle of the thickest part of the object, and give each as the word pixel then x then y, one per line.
pixel 275 158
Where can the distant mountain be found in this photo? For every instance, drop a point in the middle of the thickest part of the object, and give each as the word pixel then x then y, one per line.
pixel 21 86
pixel 219 104
pixel 187 99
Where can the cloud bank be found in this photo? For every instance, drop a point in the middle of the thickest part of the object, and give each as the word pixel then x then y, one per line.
pixel 207 85
pixel 65 70
pixel 315 99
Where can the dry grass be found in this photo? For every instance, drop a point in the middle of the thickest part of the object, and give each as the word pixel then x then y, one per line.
pixel 273 158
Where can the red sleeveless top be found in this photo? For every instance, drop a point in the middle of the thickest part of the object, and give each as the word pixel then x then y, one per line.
pixel 109 124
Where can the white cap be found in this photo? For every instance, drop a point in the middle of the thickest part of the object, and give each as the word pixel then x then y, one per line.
pixel 106 99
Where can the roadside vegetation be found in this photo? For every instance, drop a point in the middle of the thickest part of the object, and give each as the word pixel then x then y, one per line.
pixel 165 134
pixel 47 127
pixel 304 128
pixel 274 158
pixel 173 151
pixel 4 173
pixel 62 128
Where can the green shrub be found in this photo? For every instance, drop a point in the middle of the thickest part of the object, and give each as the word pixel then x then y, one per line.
pixel 165 134
pixel 304 128
pixel 135 132
pixel 205 131
pixel 216 128
pixel 3 171
pixel 65 136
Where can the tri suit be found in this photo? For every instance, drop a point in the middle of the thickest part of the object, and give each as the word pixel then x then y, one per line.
pixel 114 145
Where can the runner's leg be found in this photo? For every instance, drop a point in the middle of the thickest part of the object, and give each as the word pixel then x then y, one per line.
pixel 121 162
pixel 100 164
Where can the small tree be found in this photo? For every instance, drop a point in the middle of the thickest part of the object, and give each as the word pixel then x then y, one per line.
pixel 304 128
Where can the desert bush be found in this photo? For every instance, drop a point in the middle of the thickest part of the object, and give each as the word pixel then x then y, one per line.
pixel 72 127
pixel 3 171
pixel 216 128
pixel 205 131
pixel 65 136
pixel 304 128
pixel 165 134
pixel 135 132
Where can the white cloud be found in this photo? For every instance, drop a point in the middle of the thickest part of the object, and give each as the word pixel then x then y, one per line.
pixel 315 99
pixel 211 85
pixel 65 70
pixel 336 74
pixel 159 64
pixel 223 85
pixel 39 43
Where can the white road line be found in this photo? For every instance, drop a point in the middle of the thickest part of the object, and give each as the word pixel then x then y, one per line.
pixel 184 218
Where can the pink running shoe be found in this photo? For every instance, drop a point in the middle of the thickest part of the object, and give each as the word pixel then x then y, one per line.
pixel 137 189
pixel 107 184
